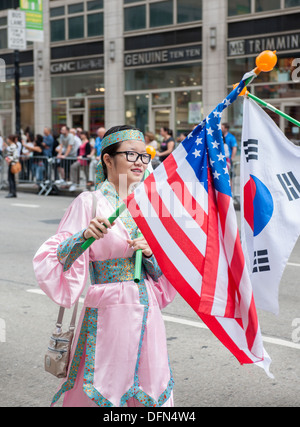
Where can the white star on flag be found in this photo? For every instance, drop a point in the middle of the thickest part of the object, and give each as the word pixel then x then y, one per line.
pixel 216 175
pixel 197 153
pixel 199 141
pixel 221 157
pixel 210 131
pixel 215 144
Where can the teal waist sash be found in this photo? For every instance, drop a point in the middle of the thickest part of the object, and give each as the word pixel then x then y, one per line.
pixel 113 270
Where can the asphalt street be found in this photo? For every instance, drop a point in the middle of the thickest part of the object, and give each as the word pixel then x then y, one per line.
pixel 205 373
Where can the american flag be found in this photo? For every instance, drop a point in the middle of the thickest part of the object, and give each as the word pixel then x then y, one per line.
pixel 185 211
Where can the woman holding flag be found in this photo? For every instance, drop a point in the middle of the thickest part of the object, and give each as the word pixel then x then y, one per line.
pixel 119 355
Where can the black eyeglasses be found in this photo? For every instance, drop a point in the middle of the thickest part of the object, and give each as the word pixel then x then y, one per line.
pixel 133 156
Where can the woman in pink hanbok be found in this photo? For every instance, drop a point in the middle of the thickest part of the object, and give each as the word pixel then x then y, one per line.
pixel 119 354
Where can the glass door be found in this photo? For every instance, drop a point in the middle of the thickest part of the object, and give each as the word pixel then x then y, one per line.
pixel 77 119
pixel 162 118
pixel 6 125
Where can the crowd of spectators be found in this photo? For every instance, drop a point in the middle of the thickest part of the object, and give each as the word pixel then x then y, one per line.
pixel 62 158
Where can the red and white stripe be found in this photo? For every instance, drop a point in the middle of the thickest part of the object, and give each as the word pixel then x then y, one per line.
pixel 194 237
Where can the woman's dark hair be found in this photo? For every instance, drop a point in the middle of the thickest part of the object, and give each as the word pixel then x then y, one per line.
pixel 169 131
pixel 112 149
pixel 85 132
pixel 39 140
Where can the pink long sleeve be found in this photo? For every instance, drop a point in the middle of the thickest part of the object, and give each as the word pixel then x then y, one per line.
pixel 64 287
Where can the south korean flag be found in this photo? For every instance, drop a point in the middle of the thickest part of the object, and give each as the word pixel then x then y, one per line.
pixel 270 202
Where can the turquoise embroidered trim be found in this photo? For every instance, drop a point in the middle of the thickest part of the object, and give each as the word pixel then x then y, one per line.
pixel 87 337
pixel 70 249
pixel 113 270
pixel 123 135
pixel 152 267
pixel 88 379
pixel 110 193
pixel 88 330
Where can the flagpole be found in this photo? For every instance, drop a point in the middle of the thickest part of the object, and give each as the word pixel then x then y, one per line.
pixel 111 219
pixel 272 108
pixel 139 254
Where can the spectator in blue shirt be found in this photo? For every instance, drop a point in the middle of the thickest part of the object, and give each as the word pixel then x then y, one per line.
pixel 230 140
pixel 48 143
pixel 95 156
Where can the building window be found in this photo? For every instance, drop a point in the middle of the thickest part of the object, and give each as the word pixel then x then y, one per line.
pixel 75 8
pixel 96 114
pixel 76 27
pixel 238 7
pixel 9 4
pixel 137 111
pixel 78 85
pixel 59 115
pixel 264 5
pixel 79 19
pixel 161 13
pixel 3 38
pixel 292 3
pixel 57 30
pixel 152 14
pixel 189 110
pixel 163 77
pixel 135 18
pixel 95 4
pixel 57 11
pixel 189 10
pixel 95 24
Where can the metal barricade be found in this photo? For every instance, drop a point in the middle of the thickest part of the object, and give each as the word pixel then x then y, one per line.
pixel 235 184
pixel 3 173
pixel 54 174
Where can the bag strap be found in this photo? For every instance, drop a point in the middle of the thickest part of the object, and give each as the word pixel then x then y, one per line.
pixel 62 309
pixel 61 315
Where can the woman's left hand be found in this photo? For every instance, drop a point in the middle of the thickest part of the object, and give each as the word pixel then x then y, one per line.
pixel 140 243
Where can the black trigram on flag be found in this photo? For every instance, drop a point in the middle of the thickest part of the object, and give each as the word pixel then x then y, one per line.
pixel 261 261
pixel 290 185
pixel 251 149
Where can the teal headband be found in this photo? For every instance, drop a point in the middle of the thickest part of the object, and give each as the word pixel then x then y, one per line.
pixel 114 138
pixel 122 135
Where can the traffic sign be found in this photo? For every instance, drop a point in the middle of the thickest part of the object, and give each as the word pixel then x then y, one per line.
pixel 16 31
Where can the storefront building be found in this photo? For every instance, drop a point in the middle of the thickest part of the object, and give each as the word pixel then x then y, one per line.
pixel 7 95
pixel 254 26
pixel 151 63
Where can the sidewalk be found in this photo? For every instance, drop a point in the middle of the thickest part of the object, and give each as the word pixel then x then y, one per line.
pixel 57 191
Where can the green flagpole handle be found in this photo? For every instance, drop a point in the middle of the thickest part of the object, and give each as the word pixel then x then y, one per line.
pixel 111 219
pixel 138 263
pixel 272 108
pixel 139 253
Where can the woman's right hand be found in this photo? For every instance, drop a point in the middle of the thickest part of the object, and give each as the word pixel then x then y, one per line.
pixel 97 228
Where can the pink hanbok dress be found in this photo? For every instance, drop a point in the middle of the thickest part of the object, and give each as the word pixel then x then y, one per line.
pixel 119 355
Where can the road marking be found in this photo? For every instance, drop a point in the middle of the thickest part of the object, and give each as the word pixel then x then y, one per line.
pixel 276 341
pixel 270 340
pixel 293 264
pixel 40 292
pixel 23 205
